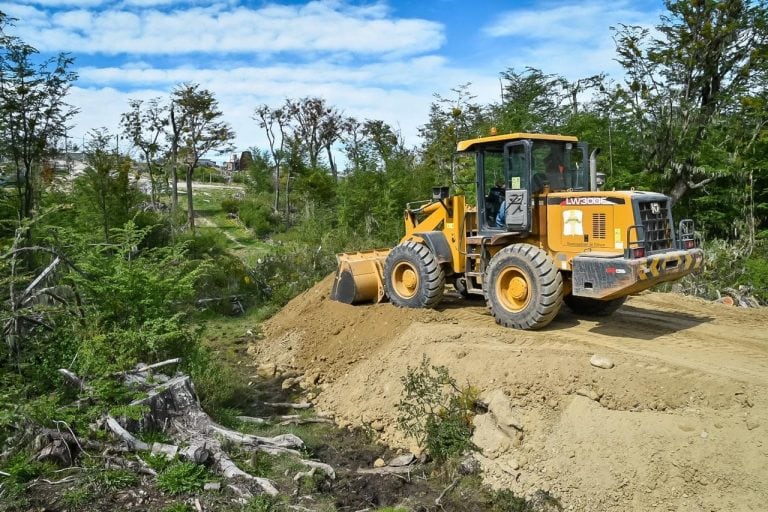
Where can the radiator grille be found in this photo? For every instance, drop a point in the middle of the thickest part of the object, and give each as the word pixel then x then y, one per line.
pixel 598 225
pixel 654 216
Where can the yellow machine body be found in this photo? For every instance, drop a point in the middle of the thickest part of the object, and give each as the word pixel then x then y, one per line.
pixel 604 245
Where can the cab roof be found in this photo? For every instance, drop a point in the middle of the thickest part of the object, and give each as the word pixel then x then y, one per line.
pixel 468 145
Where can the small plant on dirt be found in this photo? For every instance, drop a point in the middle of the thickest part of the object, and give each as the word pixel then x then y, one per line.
pixel 505 500
pixel 77 497
pixel 436 412
pixel 182 477
pixel 22 468
pixel 179 507
pixel 113 479
pixel 264 503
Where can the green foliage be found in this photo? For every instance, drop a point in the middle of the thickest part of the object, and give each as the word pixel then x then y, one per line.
pixel 103 192
pixel 505 500
pixel 261 464
pixel 182 478
pixel 77 496
pixel 129 288
pixel 179 507
pixel 218 385
pixel 22 468
pixel 131 412
pixel 112 479
pixel 728 265
pixel 264 503
pixel 208 175
pixel 157 462
pixel 121 348
pixel 157 229
pixel 435 411
pixel 204 244
pixel 257 216
pixel 230 205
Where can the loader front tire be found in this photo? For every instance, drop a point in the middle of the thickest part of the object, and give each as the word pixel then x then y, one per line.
pixel 522 287
pixel 412 276
pixel 593 307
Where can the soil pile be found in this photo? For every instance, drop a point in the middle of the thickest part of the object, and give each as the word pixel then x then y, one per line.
pixel 678 423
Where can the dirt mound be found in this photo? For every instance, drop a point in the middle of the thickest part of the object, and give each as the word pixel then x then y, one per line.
pixel 679 422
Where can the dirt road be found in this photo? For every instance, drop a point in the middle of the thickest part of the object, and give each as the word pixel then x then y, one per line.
pixel 679 423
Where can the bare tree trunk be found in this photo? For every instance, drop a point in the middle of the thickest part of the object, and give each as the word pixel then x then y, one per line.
pixel 277 187
pixel 175 157
pixel 190 201
pixel 332 163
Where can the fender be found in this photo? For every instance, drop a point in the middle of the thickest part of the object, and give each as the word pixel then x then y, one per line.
pixel 437 243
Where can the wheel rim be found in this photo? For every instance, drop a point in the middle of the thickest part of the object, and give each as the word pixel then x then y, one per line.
pixel 405 279
pixel 513 289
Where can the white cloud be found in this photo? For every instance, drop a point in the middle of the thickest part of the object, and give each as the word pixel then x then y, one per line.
pixel 573 40
pixel 63 3
pixel 578 21
pixel 396 92
pixel 331 26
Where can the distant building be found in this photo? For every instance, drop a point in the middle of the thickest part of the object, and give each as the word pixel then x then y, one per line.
pixel 205 162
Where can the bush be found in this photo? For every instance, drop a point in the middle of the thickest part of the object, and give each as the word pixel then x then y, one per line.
pixel 230 205
pixel 258 217
pixel 181 478
pixel 436 412
pixel 205 243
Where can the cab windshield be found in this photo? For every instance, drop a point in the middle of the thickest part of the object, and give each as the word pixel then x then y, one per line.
pixel 559 166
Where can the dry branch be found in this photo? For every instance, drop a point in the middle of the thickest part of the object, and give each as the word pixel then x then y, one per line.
pixel 72 379
pixel 155 366
pixel 127 437
pixel 386 470
pixel 447 490
pixel 251 419
pixel 289 405
pixel 325 468
pixel 297 420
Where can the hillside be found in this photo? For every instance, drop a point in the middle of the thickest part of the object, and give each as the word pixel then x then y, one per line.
pixel 679 422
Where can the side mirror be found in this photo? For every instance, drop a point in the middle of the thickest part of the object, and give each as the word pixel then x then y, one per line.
pixel 440 193
pixel 600 180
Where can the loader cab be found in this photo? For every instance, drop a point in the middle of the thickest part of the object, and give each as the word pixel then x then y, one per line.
pixel 513 170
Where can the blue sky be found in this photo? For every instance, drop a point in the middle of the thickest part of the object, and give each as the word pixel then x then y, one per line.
pixel 373 60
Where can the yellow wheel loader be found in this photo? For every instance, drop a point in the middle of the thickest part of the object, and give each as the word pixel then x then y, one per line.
pixel 542 234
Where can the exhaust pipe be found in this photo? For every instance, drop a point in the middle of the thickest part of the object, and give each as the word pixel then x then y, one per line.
pixel 593 169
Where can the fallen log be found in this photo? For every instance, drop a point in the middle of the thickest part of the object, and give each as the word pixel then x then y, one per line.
pixel 298 420
pixel 72 379
pixel 251 419
pixel 125 436
pixel 289 405
pixel 386 470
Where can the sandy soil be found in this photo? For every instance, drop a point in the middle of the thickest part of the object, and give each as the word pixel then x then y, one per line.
pixel 679 423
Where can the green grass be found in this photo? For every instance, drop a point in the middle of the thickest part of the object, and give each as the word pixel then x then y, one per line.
pixel 240 240
pixel 181 478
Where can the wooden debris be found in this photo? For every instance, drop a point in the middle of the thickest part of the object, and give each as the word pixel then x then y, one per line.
pixel 289 405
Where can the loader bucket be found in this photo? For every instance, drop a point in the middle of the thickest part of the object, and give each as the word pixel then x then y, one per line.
pixel 360 277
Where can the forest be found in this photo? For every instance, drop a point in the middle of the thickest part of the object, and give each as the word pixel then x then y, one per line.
pixel 112 267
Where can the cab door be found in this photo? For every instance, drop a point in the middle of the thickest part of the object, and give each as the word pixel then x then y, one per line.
pixel 518 196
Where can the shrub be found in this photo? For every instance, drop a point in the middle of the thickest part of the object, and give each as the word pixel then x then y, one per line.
pixel 112 479
pixel 179 507
pixel 182 477
pixel 258 217
pixel 264 503
pixel 436 412
pixel 205 243
pixel 230 205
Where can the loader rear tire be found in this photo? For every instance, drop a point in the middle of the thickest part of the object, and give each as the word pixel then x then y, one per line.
pixel 412 276
pixel 522 287
pixel 593 307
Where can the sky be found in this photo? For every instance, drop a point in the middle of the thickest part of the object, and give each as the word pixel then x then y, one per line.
pixel 371 59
